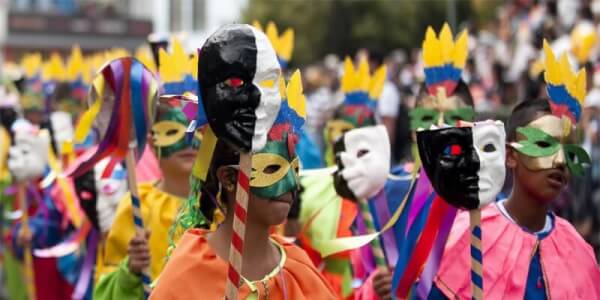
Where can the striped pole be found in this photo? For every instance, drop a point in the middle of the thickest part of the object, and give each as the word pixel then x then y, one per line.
pixel 476 255
pixel 236 249
pixel 137 212
pixel 375 243
pixel 27 255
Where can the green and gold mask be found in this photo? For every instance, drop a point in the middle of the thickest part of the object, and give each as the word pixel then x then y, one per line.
pixel 168 133
pixel 546 144
pixel 440 110
pixel 274 170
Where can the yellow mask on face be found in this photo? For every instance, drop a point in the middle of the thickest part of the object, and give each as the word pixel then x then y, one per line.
pixel 167 133
pixel 337 128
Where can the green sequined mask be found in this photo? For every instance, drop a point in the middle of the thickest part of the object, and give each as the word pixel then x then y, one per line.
pixel 169 133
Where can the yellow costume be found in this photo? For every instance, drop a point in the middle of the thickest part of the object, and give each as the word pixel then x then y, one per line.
pixel 159 210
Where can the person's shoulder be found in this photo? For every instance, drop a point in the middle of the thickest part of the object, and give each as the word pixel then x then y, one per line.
pixel 294 252
pixel 194 268
pixel 300 269
pixel 567 232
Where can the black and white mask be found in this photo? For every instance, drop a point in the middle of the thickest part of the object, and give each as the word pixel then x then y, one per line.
pixel 465 164
pixel 239 75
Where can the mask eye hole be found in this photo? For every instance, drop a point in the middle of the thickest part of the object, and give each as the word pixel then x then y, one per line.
pixel 489 148
pixel 172 132
pixel 453 150
pixel 572 157
pixel 427 118
pixel 542 144
pixel 362 153
pixel 234 82
pixel 270 169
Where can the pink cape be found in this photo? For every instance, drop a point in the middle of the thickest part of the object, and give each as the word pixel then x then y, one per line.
pixel 568 262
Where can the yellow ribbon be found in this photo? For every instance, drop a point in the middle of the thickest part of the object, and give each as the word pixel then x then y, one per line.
pixel 87 119
pixel 4 146
pixel 69 200
pixel 205 154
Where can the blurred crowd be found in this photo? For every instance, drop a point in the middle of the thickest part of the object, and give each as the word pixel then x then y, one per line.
pixel 504 68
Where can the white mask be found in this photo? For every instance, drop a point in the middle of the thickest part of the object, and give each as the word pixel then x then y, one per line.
pixel 489 140
pixel 28 157
pixel 109 193
pixel 62 128
pixel 266 79
pixel 366 160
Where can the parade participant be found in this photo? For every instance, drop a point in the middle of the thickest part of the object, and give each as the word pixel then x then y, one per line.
pixel 548 258
pixel 127 252
pixel 320 203
pixel 444 98
pixel 362 90
pixel 28 160
pixel 271 267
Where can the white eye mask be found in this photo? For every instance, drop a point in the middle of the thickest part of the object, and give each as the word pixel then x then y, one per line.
pixel 109 193
pixel 489 140
pixel 28 157
pixel 62 128
pixel 266 79
pixel 366 160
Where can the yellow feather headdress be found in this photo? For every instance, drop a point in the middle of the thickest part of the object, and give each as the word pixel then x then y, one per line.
pixel 566 89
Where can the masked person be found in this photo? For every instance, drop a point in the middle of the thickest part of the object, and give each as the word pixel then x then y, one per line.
pixel 272 267
pixel 361 91
pixel 528 251
pixel 48 225
pixel 443 100
pixel 127 253
pixel 325 215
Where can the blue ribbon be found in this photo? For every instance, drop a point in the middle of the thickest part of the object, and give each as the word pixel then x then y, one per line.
pixel 137 105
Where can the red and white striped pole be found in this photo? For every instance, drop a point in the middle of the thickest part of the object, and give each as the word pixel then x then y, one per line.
pixel 236 249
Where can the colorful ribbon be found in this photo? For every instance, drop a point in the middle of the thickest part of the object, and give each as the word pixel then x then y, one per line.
pixel 27 255
pixel 423 247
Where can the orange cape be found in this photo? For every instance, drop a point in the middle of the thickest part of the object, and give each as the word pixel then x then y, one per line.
pixel 196 272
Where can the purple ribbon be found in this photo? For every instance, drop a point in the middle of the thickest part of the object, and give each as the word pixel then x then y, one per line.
pixel 383 216
pixel 435 257
pixel 365 251
pixel 87 268
pixel 422 192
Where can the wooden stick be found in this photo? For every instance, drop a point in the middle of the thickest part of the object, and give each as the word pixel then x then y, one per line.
pixel 236 249
pixel 476 255
pixel 27 255
pixel 137 212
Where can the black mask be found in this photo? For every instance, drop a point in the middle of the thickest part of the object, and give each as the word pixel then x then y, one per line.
pixel 451 163
pixel 228 68
pixel 339 182
pixel 85 188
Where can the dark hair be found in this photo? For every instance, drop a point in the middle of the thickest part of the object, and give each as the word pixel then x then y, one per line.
pixel 462 90
pixel 525 112
pixel 223 155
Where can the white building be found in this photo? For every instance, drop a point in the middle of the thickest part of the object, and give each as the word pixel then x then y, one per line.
pixel 194 20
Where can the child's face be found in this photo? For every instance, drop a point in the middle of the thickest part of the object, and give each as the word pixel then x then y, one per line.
pixel 541 157
pixel 175 154
pixel 271 211
pixel 430 110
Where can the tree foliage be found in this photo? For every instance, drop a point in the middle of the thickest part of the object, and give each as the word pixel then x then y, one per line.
pixel 343 26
